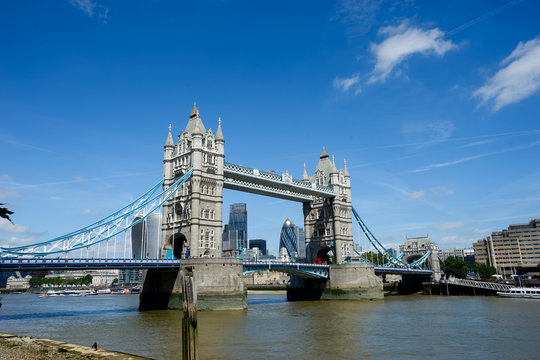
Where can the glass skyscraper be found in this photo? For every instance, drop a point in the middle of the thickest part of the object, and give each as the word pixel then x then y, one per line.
pixel 237 228
pixel 293 239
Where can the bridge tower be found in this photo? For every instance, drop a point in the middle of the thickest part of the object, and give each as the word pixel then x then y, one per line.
pixel 192 217
pixel 327 222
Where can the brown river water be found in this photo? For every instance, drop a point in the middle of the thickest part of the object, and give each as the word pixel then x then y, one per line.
pixel 399 327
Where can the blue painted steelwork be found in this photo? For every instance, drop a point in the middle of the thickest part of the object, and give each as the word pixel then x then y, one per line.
pixel 299 269
pixel 104 229
pixel 379 270
pixel 20 264
pixel 378 246
pixel 238 177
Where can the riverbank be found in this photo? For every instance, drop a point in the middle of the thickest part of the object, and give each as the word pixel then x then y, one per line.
pixel 27 348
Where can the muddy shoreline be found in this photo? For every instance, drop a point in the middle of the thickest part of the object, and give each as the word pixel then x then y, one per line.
pixel 28 348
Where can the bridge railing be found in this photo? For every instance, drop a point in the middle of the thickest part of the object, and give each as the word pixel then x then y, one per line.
pixel 479 284
pixel 278 180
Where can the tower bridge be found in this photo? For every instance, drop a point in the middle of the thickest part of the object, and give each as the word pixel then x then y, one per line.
pixel 194 176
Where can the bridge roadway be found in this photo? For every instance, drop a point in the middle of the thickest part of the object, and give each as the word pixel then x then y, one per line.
pixel 300 269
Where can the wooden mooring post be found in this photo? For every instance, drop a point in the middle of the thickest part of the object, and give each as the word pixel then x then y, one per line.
pixel 189 322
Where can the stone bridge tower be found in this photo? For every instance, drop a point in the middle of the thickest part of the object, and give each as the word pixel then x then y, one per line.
pixel 192 217
pixel 327 222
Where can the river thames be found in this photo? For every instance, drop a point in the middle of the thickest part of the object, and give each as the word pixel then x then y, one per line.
pixel 405 327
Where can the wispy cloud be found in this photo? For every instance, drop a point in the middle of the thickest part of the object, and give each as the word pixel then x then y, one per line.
pixel 518 79
pixel 473 157
pixel 358 15
pixel 417 194
pixel 91 212
pixel 476 143
pixel 346 83
pixel 7 227
pixel 17 241
pixel 9 194
pixel 449 225
pixel 403 41
pixel 92 8
pixel 77 179
pixel 434 141
pixel 436 131
pixel 6 178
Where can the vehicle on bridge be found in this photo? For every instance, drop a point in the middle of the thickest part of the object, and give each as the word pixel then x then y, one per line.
pixel 320 261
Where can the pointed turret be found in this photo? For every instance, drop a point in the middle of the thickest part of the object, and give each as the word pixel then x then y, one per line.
pixel 345 171
pixel 169 142
pixel 305 176
pixel 334 169
pixel 195 125
pixel 219 134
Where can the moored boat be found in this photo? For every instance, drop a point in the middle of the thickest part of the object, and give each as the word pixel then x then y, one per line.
pixel 521 292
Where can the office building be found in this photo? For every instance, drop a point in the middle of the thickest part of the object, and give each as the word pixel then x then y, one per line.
pixel 236 231
pixel 293 239
pixel 515 250
pixel 146 237
pixel 259 243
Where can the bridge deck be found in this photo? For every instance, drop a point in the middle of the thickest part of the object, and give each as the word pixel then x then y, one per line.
pixel 299 269
pixel 238 177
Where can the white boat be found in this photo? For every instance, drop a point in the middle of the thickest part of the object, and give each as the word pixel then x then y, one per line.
pixel 521 292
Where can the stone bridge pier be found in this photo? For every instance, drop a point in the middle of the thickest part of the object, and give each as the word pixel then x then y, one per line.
pixel 218 281
pixel 345 282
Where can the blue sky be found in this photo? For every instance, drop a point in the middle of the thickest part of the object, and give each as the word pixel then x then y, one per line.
pixel 435 106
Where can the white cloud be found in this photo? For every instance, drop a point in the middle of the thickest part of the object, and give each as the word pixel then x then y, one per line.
pixel 448 225
pixel 9 194
pixel 6 178
pixel 91 213
pixel 519 79
pixel 346 83
pixel 418 194
pixel 7 227
pixel 474 157
pixel 403 41
pixel 483 231
pixel 435 131
pixel 454 239
pixel 17 241
pixel 476 143
pixel 92 8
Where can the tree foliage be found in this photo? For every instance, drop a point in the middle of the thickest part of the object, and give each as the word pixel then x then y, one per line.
pixel 484 270
pixel 375 258
pixel 57 281
pixel 454 267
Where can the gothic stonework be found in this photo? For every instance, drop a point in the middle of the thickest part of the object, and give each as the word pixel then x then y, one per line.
pixel 327 222
pixel 192 217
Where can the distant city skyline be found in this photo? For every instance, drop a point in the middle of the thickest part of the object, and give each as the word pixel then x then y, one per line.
pixel 434 106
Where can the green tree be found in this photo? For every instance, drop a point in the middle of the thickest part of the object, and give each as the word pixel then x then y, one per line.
pixel 455 267
pixel 484 270
pixel 375 258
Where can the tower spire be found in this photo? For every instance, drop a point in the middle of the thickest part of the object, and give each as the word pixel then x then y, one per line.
pixel 324 154
pixel 304 175
pixel 345 171
pixel 169 141
pixel 219 134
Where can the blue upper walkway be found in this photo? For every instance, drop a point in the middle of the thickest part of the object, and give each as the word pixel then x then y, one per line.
pixel 299 269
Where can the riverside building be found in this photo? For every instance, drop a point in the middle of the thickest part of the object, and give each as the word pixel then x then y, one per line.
pixel 515 250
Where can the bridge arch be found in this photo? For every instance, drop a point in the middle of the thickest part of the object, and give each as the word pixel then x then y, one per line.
pixel 177 244
pixel 327 254
pixel 411 258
